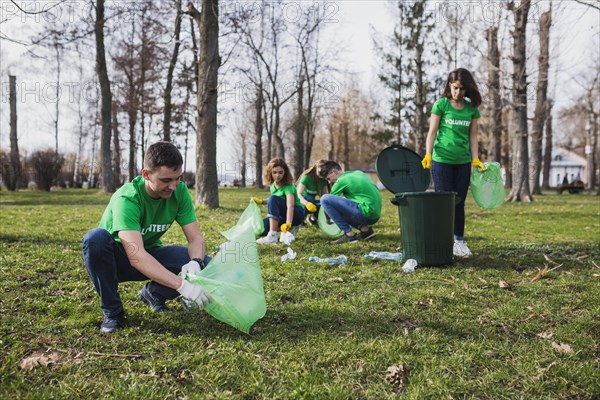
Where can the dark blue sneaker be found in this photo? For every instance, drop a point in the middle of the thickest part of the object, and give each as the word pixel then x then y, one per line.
pixel 157 305
pixel 110 324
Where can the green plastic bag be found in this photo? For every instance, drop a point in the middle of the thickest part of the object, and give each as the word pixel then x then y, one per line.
pixel 487 186
pixel 234 282
pixel 251 219
pixel 330 229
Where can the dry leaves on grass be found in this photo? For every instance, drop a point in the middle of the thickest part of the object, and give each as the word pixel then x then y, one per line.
pixel 562 347
pixel 40 358
pixel 397 376
pixel 544 271
pixel 502 284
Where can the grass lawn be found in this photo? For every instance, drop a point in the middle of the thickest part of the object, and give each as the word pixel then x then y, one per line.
pixel 488 327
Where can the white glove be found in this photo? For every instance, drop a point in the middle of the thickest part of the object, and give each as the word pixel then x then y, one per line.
pixel 192 268
pixel 195 293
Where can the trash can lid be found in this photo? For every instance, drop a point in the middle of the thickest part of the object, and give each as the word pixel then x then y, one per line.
pixel 400 170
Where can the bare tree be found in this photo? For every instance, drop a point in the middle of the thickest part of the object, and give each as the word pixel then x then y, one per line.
pixel 520 189
pixel 548 140
pixel 539 118
pixel 495 103
pixel 207 183
pixel 258 131
pixel 116 150
pixel 108 182
pixel 167 95
pixel 14 165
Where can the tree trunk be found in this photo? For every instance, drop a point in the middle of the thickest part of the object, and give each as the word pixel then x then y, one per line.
pixel 279 150
pixel 258 133
pixel 299 128
pixel 243 164
pixel 495 105
pixel 116 147
pixel 207 184
pixel 168 107
pixel 420 120
pixel 520 189
pixel 332 146
pixel 15 178
pixel 132 114
pixel 547 146
pixel 108 182
pixel 57 106
pixel 539 118
pixel 346 133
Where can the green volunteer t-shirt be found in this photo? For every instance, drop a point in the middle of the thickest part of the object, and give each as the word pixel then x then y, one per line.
pixel 284 190
pixel 358 187
pixel 311 186
pixel 132 209
pixel 452 144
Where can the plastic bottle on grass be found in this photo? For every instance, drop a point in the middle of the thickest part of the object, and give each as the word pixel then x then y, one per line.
pixel 339 260
pixel 383 255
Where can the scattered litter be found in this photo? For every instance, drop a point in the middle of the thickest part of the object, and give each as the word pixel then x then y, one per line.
pixel 383 255
pixel 286 237
pixel 409 266
pixel 290 255
pixel 339 260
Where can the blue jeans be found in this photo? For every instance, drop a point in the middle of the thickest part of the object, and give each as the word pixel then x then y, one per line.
pixel 345 213
pixel 313 199
pixel 107 265
pixel 277 209
pixel 454 178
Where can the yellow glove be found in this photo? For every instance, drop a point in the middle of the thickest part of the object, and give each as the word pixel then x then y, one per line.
pixel 310 207
pixel 478 164
pixel 286 227
pixel 257 200
pixel 426 162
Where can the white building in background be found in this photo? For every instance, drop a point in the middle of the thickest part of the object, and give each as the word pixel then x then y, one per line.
pixel 566 163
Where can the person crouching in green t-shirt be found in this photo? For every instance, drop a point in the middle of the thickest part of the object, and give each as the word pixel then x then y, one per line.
pixel 310 188
pixel 354 201
pixel 285 211
pixel 127 247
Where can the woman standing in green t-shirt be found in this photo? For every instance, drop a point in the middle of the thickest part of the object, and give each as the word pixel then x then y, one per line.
pixel 452 146
pixel 310 185
pixel 284 208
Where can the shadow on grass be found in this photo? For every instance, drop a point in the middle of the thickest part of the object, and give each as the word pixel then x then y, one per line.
pixel 38 241
pixel 290 324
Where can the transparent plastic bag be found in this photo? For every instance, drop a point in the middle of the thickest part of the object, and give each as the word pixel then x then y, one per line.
pixel 251 219
pixel 487 187
pixel 234 282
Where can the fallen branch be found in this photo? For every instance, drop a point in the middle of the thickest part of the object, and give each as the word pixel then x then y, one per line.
pixel 544 271
pixel 549 260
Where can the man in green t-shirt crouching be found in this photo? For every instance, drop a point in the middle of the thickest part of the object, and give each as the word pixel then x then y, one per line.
pixel 354 201
pixel 126 246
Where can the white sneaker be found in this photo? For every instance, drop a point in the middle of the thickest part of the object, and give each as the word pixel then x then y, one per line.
pixel 269 239
pixel 461 249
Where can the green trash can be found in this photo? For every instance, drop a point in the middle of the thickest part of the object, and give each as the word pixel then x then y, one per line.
pixel 426 218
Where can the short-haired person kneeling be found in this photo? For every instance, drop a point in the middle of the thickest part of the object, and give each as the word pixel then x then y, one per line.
pixel 126 246
pixel 354 201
